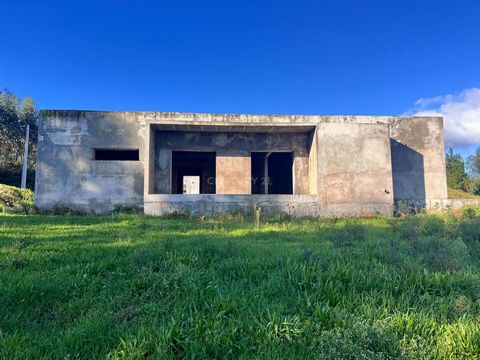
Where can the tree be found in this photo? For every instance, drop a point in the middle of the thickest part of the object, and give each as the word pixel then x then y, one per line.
pixel 473 164
pixel 15 115
pixel 457 177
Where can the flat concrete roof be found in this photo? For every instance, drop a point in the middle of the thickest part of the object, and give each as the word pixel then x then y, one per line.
pixel 181 117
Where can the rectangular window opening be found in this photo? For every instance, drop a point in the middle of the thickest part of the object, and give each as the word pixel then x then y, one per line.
pixel 193 172
pixel 116 155
pixel 272 172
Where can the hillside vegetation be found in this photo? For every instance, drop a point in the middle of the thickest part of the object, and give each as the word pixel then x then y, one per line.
pixel 460 194
pixel 15 115
pixel 136 287
pixel 14 199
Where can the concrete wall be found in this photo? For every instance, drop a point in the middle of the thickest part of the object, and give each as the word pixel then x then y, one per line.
pixel 418 158
pixel 313 163
pixel 233 174
pixel 295 205
pixel 356 164
pixel 301 176
pixel 233 156
pixel 68 174
pixel 354 169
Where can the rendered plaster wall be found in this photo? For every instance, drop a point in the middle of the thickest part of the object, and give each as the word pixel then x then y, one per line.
pixel 313 164
pixel 233 156
pixel 418 154
pixel 345 160
pixel 205 204
pixel 233 173
pixel 418 159
pixel 67 173
pixel 354 169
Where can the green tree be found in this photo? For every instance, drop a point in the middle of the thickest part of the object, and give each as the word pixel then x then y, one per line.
pixel 473 163
pixel 457 177
pixel 15 115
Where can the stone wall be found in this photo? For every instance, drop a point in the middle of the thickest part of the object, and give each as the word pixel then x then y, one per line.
pixel 294 205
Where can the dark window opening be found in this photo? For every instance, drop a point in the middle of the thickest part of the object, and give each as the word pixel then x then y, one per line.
pixel 116 155
pixel 272 173
pixel 187 167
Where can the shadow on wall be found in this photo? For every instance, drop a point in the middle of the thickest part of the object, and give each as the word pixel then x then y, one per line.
pixel 408 174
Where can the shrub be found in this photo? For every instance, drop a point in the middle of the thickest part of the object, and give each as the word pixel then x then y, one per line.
pixel 359 342
pixel 177 215
pixel 414 227
pixel 469 229
pixel 440 247
pixel 443 254
pixel 469 213
pixel 124 210
pixel 347 234
pixel 13 199
pixel 404 208
pixel 475 186
pixel 60 209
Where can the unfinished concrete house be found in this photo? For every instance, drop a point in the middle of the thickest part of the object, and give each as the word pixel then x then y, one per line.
pixel 212 163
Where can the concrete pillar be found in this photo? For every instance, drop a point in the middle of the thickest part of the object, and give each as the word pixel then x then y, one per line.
pixel 233 174
pixel 313 164
pixel 163 171
pixel 300 173
pixel 149 161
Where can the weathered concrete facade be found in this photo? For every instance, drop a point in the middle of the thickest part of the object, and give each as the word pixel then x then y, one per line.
pixel 303 165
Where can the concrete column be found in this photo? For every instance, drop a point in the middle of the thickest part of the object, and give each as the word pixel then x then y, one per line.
pixel 300 173
pixel 163 171
pixel 233 174
pixel 149 161
pixel 312 164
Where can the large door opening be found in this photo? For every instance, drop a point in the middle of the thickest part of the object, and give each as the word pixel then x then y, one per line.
pixel 193 172
pixel 272 172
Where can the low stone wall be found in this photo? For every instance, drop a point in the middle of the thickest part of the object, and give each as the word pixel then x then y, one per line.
pixel 204 204
pixel 356 209
pixel 445 204
pixel 435 205
pixel 294 205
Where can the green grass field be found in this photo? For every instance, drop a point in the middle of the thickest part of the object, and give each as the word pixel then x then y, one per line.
pixel 136 287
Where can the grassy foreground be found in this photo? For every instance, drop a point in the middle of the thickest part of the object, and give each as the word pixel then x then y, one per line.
pixel 136 287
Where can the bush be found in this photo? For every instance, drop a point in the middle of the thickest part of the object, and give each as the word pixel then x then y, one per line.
pixel 404 208
pixel 414 227
pixel 443 254
pixel 13 199
pixel 349 233
pixel 441 247
pixel 469 229
pixel 125 210
pixel 476 186
pixel 60 209
pixel 359 342
pixel 468 213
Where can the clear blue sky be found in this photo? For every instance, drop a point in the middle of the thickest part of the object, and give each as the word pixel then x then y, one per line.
pixel 309 57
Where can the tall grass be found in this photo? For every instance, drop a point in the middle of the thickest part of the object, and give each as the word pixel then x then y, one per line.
pixel 136 287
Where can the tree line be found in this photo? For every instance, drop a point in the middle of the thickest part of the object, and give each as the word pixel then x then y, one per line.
pixel 463 174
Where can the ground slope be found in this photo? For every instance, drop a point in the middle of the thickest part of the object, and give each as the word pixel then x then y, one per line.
pixel 125 287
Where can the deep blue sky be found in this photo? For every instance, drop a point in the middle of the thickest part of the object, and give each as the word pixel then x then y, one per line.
pixel 311 57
